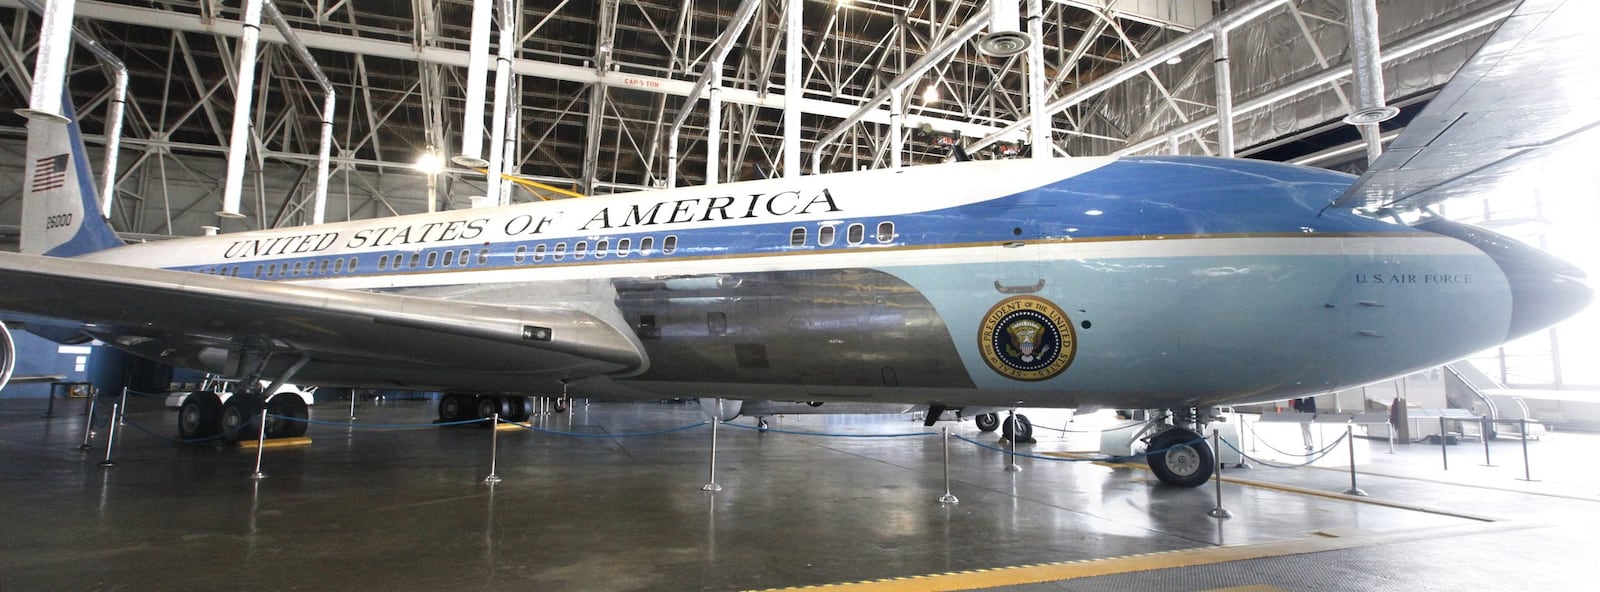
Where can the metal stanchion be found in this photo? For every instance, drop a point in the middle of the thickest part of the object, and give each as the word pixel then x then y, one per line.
pixel 711 483
pixel 88 426
pixel 1350 441
pixel 1011 458
pixel 1391 435
pixel 947 498
pixel 111 439
pixel 1527 469
pixel 1483 434
pixel 494 450
pixel 50 404
pixel 1444 451
pixel 261 445
pixel 353 396
pixel 1216 460
pixel 124 408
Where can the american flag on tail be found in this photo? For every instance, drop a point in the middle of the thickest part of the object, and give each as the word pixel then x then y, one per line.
pixel 50 172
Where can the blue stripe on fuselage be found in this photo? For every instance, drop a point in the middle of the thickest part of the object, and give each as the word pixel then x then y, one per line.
pixel 1134 197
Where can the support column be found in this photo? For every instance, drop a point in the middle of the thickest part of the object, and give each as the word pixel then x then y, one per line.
pixel 50 66
pixel 1219 46
pixel 502 93
pixel 714 130
pixel 1042 141
pixel 243 93
pixel 477 79
pixel 897 128
pixel 794 87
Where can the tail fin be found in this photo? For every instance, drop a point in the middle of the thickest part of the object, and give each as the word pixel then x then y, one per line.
pixel 60 212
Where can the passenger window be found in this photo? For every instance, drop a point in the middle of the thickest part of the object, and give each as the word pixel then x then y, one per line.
pixel 825 235
pixel 600 248
pixel 538 253
pixel 338 266
pixel 669 245
pixel 299 267
pixel 716 323
pixel 258 271
pixel 272 270
pixel 383 262
pixel 797 237
pixel 580 249
pixel 352 265
pixel 322 268
pixel 855 234
pixel 433 257
pixel 646 245
pixel 520 255
pixel 415 257
pixel 466 255
pixel 561 251
pixel 885 232
pixel 449 258
pixel 623 244
pixel 483 256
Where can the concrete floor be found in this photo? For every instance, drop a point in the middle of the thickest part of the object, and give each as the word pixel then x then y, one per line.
pixel 385 508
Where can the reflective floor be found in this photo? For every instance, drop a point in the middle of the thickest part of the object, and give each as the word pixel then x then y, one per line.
pixel 396 503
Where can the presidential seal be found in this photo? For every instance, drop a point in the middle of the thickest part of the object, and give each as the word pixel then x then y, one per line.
pixel 1027 338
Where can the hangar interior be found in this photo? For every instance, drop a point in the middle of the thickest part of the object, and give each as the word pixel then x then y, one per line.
pixel 593 98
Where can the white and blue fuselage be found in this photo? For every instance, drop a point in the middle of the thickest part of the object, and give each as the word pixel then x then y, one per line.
pixel 1149 282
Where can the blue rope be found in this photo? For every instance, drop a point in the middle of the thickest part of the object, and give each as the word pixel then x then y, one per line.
pixel 830 435
pixel 1316 456
pixel 141 428
pixel 1066 431
pixel 379 426
pixel 134 393
pixel 531 428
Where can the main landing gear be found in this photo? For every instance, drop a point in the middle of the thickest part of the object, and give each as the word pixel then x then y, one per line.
pixel 1178 455
pixel 988 422
pixel 469 406
pixel 204 415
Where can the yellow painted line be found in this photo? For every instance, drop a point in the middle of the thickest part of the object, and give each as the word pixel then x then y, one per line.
pixel 511 425
pixel 1071 455
pixel 277 443
pixel 1054 572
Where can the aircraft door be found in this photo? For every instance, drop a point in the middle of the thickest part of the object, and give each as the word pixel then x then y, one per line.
pixel 1018 268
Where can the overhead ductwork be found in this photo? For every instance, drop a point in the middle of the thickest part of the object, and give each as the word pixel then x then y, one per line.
pixel 1005 37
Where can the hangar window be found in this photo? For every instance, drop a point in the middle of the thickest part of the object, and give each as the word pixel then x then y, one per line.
pixel 483 256
pixel 600 248
pixel 520 255
pixel 322 268
pixel 797 237
pixel 622 246
pixel 415 258
pixel 433 258
pixel 538 253
pixel 825 235
pixel 449 259
pixel 885 232
pixel 338 266
pixel 561 251
pixel 383 262
pixel 855 234
pixel 669 245
pixel 647 245
pixel 580 249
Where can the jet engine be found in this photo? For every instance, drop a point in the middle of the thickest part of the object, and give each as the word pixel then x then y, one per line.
pixel 8 356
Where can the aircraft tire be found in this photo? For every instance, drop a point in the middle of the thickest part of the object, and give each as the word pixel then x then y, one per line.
pixel 200 416
pixel 291 406
pixel 455 407
pixel 488 405
pixel 240 417
pixel 987 422
pixel 1180 460
pixel 521 409
pixel 1024 429
pixel 561 404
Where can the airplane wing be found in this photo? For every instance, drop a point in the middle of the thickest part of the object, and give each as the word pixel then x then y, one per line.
pixel 192 312
pixel 1528 90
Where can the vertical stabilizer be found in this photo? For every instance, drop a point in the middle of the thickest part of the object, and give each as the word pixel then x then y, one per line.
pixel 60 213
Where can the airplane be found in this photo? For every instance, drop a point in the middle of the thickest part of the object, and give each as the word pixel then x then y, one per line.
pixel 1170 283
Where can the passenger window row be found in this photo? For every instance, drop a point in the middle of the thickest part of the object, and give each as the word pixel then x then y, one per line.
pixel 456 258
pixel 855 234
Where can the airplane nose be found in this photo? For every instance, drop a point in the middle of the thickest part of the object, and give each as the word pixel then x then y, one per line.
pixel 1545 289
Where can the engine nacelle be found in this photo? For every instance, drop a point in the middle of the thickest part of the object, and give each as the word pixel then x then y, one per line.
pixel 721 409
pixel 8 356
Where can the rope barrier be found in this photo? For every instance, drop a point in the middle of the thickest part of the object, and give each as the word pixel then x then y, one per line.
pixel 532 428
pixel 1264 442
pixel 1316 456
pixel 1133 457
pixel 1067 431
pixel 379 426
pixel 828 434
pixel 147 431
pixel 134 393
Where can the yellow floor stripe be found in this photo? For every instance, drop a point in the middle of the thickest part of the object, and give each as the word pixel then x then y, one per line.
pixel 1054 572
pixel 277 443
pixel 1255 588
